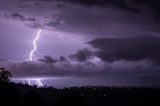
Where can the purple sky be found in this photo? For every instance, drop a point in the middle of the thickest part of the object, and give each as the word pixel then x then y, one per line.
pixel 109 42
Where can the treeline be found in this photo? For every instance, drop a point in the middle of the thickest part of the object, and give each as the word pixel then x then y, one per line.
pixel 12 94
pixel 25 95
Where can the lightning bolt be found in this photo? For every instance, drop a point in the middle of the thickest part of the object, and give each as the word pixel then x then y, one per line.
pixel 37 82
pixel 29 82
pixel 34 45
pixel 31 57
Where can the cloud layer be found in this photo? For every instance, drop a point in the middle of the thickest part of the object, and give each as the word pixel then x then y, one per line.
pixel 93 18
pixel 89 69
pixel 129 49
pixel 115 29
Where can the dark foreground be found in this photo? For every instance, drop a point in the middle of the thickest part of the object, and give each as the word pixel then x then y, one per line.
pixel 24 95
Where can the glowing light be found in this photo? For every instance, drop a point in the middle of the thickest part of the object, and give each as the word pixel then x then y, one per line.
pixel 34 45
pixel 35 81
pixel 29 82
pixel 39 83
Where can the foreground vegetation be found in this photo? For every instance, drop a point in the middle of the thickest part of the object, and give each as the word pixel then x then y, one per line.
pixel 25 95
pixel 12 94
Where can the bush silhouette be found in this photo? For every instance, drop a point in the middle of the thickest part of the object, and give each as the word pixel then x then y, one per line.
pixel 5 75
pixel 33 98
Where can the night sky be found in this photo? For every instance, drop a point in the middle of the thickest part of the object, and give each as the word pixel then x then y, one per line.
pixel 83 42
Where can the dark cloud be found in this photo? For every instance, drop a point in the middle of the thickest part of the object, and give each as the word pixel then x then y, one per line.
pixel 95 20
pixel 20 17
pixel 136 71
pixel 16 16
pixel 120 4
pixel 52 24
pixel 31 19
pixel 35 25
pixel 151 7
pixel 63 59
pixel 82 55
pixel 42 69
pixel 138 48
pixel 48 60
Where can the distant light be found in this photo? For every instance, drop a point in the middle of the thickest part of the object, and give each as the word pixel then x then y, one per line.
pixel 29 82
pixel 39 83
pixel 95 59
pixel 35 82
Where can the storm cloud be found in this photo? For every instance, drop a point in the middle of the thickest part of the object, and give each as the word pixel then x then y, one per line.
pixel 113 30
pixel 20 17
pixel 135 6
pixel 133 72
pixel 129 49
pixel 87 68
pixel 93 18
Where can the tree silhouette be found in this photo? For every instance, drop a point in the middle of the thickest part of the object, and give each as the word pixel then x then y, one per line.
pixel 5 75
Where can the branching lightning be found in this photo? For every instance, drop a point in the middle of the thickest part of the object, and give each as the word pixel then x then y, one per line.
pixel 34 45
pixel 37 82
